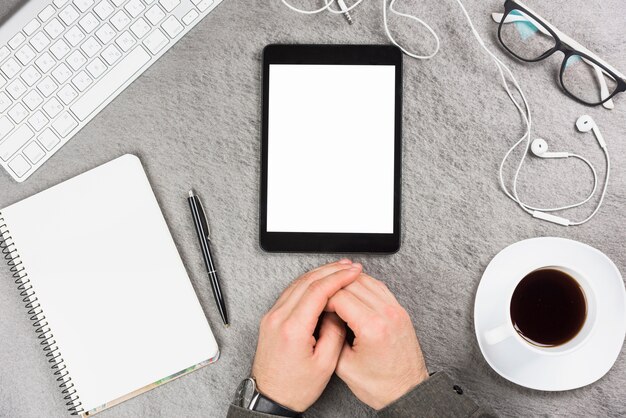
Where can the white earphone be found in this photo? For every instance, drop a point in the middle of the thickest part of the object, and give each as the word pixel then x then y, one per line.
pixel 539 148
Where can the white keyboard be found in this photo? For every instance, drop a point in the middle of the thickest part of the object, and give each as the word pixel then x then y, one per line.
pixel 62 61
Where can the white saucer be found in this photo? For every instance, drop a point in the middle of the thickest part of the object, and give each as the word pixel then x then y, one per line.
pixel 531 368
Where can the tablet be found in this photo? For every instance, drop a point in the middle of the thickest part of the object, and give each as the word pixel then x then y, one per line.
pixel 331 140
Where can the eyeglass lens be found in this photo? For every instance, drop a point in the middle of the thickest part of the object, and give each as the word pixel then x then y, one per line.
pixel 587 81
pixel 524 37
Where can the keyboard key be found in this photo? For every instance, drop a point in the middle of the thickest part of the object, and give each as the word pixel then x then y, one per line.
pixel 69 15
pixel 103 9
pixel 17 40
pixel 34 152
pixel 83 5
pixel 53 107
pixel 18 113
pixel 89 22
pixel 190 17
pixel 10 68
pixel 155 14
pixel 90 47
pixel 5 102
pixel 64 124
pixel 172 26
pixel 33 100
pixel 204 4
pixel 169 5
pixel 15 141
pixel 125 41
pixel 105 33
pixel 48 139
pixel 4 52
pixel 60 49
pixel 76 60
pixel 47 86
pixel 67 94
pixel 3 81
pixel 60 3
pixel 140 27
pixel 39 41
pixel 46 13
pixel 156 41
pixel 31 75
pixel 134 8
pixel 61 73
pixel 45 62
pixel 31 27
pixel 111 54
pixel 26 54
pixel 96 68
pixel 110 83
pixel 74 36
pixel 38 121
pixel 19 166
pixel 118 3
pixel 16 89
pixel 54 28
pixel 120 20
pixel 81 81
pixel 6 126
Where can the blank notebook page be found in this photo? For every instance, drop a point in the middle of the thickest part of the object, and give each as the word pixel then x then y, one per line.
pixel 110 282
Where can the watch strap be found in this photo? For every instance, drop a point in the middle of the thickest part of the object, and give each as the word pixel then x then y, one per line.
pixel 264 404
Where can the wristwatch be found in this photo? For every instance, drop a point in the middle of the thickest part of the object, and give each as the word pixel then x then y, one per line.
pixel 248 397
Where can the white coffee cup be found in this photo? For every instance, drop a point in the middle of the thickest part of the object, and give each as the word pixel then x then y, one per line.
pixel 506 330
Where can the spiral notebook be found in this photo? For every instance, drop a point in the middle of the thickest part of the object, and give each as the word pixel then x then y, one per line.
pixel 107 291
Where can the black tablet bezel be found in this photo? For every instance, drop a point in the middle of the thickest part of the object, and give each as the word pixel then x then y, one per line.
pixel 332 242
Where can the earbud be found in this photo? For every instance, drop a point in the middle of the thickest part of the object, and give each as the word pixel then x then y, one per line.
pixel 585 124
pixel 539 147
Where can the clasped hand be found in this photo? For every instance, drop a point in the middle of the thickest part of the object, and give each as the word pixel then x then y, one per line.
pixel 384 361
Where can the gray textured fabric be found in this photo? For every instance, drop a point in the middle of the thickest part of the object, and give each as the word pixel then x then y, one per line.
pixel 436 397
pixel 194 120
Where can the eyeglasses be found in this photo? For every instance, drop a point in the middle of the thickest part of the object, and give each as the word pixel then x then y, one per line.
pixel 584 76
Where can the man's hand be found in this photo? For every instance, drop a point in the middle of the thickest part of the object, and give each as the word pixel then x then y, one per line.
pixel 291 367
pixel 385 360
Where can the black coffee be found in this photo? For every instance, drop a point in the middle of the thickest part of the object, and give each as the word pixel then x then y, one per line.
pixel 548 308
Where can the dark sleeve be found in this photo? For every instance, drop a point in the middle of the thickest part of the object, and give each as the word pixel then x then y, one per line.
pixel 437 396
pixel 237 412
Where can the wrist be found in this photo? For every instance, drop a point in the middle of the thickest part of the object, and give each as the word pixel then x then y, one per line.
pixel 249 397
pixel 401 388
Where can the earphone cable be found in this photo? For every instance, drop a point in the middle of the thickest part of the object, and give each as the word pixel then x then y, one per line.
pixel 328 7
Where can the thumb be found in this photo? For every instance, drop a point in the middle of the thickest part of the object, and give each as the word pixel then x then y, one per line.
pixel 331 338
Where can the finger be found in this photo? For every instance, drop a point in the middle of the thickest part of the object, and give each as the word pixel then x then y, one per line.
pixel 321 271
pixel 371 298
pixel 350 309
pixel 310 306
pixel 345 361
pixel 301 287
pixel 377 287
pixel 330 341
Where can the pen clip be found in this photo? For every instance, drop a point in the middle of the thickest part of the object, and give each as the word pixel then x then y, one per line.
pixel 203 220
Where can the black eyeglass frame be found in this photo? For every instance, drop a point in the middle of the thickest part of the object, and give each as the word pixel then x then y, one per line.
pixel 567 50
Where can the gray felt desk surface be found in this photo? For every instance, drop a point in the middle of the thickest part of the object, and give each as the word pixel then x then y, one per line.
pixel 194 120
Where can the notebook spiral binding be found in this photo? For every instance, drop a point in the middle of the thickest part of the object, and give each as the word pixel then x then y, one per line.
pixel 12 258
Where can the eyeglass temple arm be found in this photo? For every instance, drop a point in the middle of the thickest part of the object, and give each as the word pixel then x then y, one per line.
pixel 604 89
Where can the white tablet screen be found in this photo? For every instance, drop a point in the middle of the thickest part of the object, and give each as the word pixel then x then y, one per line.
pixel 331 148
